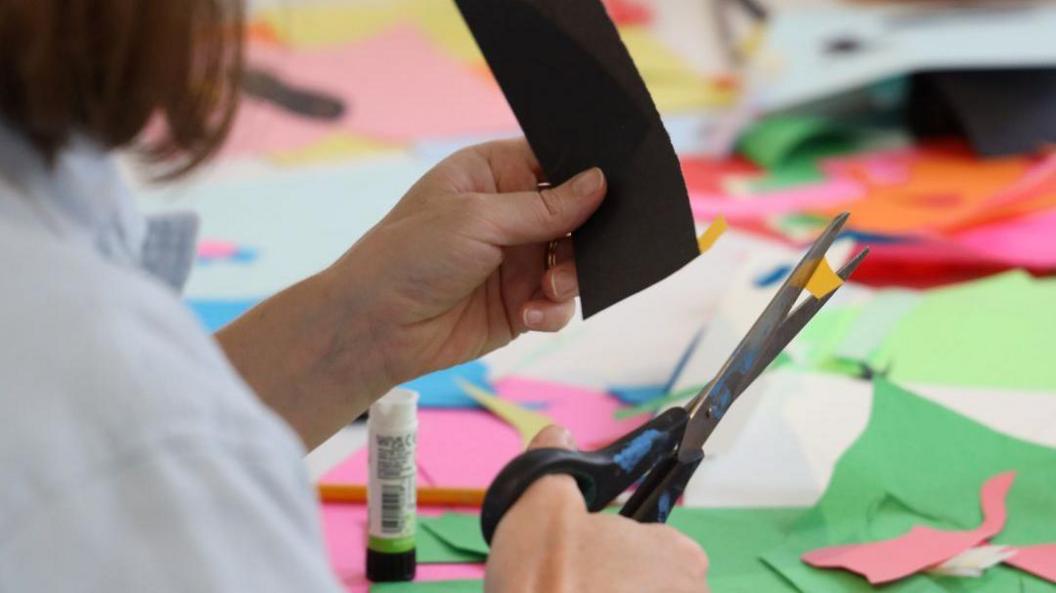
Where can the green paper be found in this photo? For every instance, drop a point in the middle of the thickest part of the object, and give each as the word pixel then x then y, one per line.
pixel 996 332
pixel 460 531
pixel 431 549
pixel 460 586
pixel 920 463
pixel 817 341
pixel 733 538
pixel 791 141
pixel 871 328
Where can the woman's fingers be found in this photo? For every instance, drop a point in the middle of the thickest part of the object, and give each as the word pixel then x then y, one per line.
pixel 546 315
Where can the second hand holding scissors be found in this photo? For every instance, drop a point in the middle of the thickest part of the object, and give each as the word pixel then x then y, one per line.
pixel 667 449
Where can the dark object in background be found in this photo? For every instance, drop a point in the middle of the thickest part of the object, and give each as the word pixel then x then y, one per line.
pixel 999 112
pixel 582 103
pixel 308 103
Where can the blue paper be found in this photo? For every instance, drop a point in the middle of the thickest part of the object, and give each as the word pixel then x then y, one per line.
pixel 440 390
pixel 216 313
pixel 637 394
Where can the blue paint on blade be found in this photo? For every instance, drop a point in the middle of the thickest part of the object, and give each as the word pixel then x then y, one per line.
pixel 635 450
pixel 663 507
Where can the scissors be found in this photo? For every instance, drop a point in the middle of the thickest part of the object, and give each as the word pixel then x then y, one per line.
pixel 667 450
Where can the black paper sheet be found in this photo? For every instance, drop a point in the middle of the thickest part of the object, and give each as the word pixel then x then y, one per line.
pixel 581 103
pixel 1000 112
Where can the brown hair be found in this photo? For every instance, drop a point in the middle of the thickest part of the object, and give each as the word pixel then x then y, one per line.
pixel 108 68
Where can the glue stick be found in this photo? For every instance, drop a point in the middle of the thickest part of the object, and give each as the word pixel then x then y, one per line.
pixel 391 500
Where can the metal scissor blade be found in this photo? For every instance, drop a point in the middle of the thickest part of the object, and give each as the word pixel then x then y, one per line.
pixel 719 393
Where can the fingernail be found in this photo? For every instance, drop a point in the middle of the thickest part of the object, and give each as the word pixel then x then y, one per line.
pixel 533 317
pixel 566 438
pixel 587 182
pixel 563 283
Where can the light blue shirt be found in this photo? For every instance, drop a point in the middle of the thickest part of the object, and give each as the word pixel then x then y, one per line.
pixel 133 457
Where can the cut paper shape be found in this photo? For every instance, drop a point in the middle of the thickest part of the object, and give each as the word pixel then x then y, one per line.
pixel 430 549
pixel 974 562
pixel 922 547
pixel 344 534
pixel 913 464
pixel 418 586
pixel 715 230
pixel 213 250
pixel 874 323
pixel 1022 241
pixel 1039 560
pixel 526 422
pixel 778 141
pixel 637 394
pixel 593 110
pixel 832 194
pixel 733 537
pixel 216 313
pixel 397 62
pixel 441 389
pixel 774 276
pixel 458 530
pixel 995 332
pixel 337 146
pixel 823 281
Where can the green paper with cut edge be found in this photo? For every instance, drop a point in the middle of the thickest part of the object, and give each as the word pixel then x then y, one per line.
pixel 456 586
pixel 431 549
pixel 995 332
pixel 920 463
pixel 734 539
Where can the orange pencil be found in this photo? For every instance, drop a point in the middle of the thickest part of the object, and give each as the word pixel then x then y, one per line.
pixel 429 496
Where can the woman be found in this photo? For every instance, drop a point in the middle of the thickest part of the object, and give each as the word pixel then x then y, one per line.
pixel 139 454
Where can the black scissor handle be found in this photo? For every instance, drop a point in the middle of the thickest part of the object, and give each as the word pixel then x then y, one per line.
pixel 601 475
pixel 655 497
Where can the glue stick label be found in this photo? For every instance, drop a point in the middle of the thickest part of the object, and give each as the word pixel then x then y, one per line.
pixel 391 496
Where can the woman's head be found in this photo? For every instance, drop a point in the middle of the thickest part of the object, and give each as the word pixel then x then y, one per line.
pixel 107 68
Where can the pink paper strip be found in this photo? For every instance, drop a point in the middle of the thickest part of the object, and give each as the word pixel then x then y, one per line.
pixel 1039 561
pixel 920 548
pixel 216 249
pixel 765 205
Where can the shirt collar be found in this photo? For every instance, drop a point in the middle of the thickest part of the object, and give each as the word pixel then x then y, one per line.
pixel 82 198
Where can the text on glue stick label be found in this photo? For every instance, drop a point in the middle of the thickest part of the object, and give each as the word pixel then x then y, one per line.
pixel 392 502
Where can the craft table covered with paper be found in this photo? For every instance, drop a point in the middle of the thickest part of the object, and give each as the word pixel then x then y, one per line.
pixel 927 377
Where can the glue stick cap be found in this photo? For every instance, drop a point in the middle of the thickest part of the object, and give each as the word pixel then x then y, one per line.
pixel 395 412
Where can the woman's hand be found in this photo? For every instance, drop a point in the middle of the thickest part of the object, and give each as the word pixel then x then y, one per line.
pixel 549 542
pixel 458 268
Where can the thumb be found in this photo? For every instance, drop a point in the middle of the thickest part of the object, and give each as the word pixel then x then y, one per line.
pixel 553 436
pixel 536 216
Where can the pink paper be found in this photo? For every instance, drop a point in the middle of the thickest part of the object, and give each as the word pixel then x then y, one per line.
pixel 344 533
pixel 920 548
pixel 1024 241
pixel 1039 561
pixel 766 205
pixel 467 448
pixel 397 87
pixel 216 249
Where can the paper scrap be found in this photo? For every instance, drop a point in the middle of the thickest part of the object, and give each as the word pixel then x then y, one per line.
pixel 441 389
pixel 333 147
pixel 216 313
pixel 379 78
pixel 974 561
pixel 920 548
pixel 637 394
pixel 712 234
pixel 419 586
pixel 823 281
pixel 430 549
pixel 458 530
pixel 526 422
pixel 877 491
pixel 831 194
pixel 593 110
pixel 1038 560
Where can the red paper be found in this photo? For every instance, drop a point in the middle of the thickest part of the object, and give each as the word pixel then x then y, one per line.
pixel 1039 561
pixel 920 548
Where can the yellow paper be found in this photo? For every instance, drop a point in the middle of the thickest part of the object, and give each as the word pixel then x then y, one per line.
pixel 708 238
pixel 334 147
pixel 526 422
pixel 302 25
pixel 823 281
pixel 674 85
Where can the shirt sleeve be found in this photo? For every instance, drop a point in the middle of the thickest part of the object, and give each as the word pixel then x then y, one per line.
pixel 197 513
